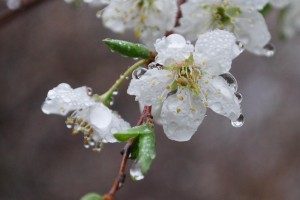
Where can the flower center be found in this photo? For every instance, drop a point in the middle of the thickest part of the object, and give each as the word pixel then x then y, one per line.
pixel 187 75
pixel 223 15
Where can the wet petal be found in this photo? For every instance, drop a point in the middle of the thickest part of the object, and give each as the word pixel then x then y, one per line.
pixel 172 49
pixel 180 119
pixel 252 30
pixel 151 86
pixel 63 99
pixel 215 50
pixel 221 98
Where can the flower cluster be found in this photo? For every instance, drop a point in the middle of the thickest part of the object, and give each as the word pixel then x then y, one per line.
pixel 191 79
pixel 237 16
pixel 90 117
pixel 150 19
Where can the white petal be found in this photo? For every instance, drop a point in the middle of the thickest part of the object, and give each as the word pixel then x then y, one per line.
pixel 254 4
pixel 63 99
pixel 172 49
pixel 221 98
pixel 100 116
pixel 105 123
pixel 252 30
pixel 195 20
pixel 179 121
pixel 217 49
pixel 151 86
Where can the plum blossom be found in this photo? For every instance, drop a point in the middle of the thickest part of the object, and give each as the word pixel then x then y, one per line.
pixel 150 19
pixel 191 79
pixel 90 117
pixel 291 19
pixel 241 17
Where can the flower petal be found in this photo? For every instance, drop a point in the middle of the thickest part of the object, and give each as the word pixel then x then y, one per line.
pixel 63 99
pixel 251 29
pixel 105 123
pixel 151 86
pixel 251 4
pixel 172 49
pixel 221 98
pixel 179 121
pixel 216 49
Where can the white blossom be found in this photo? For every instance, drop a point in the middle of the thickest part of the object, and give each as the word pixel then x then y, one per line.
pixel 150 19
pixel 97 122
pixel 189 82
pixel 291 19
pixel 240 17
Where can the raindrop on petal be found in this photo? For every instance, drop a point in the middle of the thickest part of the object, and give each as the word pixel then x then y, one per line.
pixel 240 46
pixel 138 73
pixel 89 91
pixel 135 171
pixel 98 146
pixel 229 78
pixel 155 65
pixel 239 96
pixel 239 122
pixel 269 50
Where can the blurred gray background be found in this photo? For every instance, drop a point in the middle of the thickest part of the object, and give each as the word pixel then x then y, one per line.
pixel 39 159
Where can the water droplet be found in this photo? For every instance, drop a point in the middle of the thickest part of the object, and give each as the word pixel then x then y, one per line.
pixel 69 126
pixel 230 80
pixel 269 50
pixel 89 91
pixel 115 93
pixel 155 65
pixel 86 146
pixel 240 45
pixel 135 171
pixel 111 103
pixel 239 122
pixel 126 77
pixel 171 93
pixel 98 146
pixel 239 96
pixel 135 58
pixel 92 143
pixel 138 73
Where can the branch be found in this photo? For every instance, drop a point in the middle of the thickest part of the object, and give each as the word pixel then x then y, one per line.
pixel 145 117
pixel 26 5
pixel 178 16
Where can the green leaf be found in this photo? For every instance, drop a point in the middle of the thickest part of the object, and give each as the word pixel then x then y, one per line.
pixel 128 49
pixel 146 153
pixel 133 132
pixel 91 196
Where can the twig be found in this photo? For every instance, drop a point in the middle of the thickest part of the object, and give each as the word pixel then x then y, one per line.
pixel 178 16
pixel 145 117
pixel 26 5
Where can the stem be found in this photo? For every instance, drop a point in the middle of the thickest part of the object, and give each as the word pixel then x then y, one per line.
pixel 145 117
pixel 106 97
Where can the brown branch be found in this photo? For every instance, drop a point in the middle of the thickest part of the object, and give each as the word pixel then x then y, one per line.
pixel 26 5
pixel 146 117
pixel 178 16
